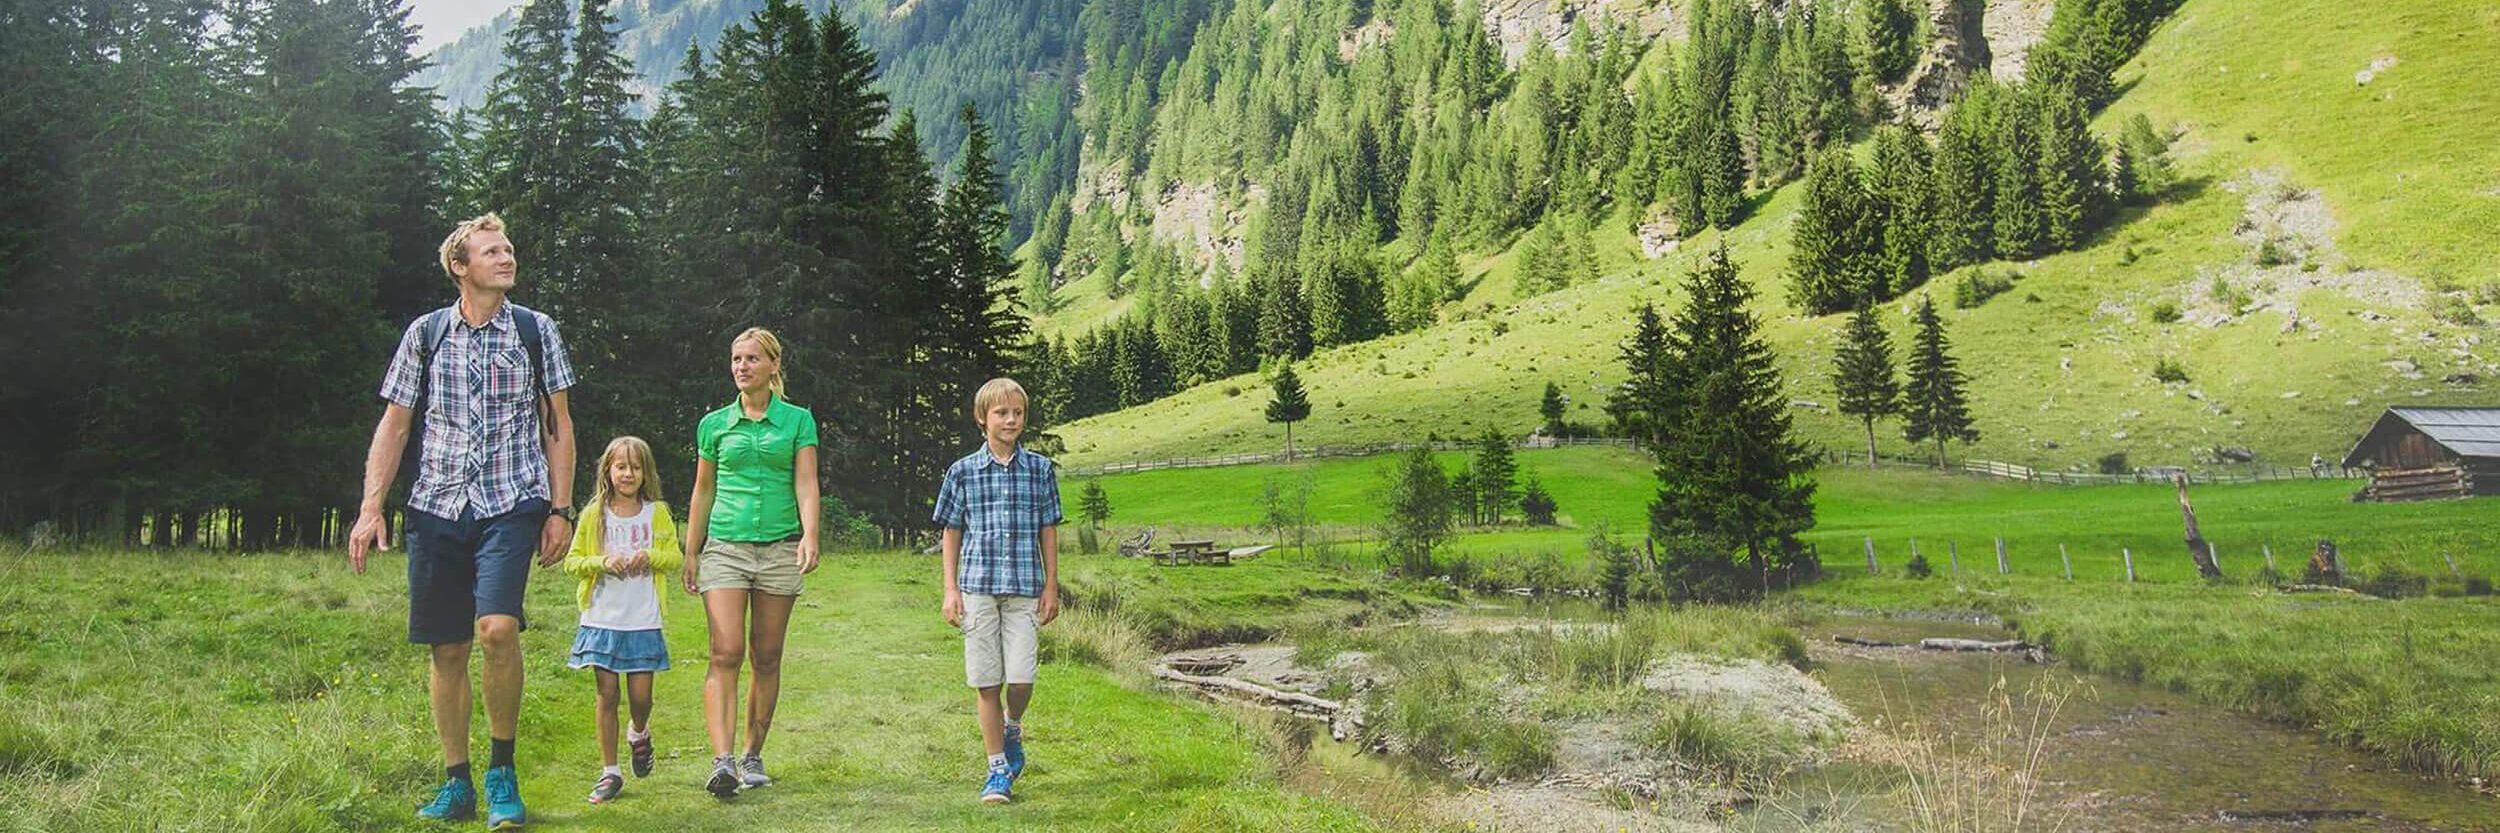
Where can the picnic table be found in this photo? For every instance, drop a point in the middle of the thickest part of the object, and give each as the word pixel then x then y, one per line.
pixel 1193 552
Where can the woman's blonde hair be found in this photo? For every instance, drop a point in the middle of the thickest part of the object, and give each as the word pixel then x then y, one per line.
pixel 771 345
pixel 641 453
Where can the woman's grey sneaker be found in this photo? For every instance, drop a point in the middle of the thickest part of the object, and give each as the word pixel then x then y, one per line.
pixel 724 780
pixel 751 771
pixel 607 788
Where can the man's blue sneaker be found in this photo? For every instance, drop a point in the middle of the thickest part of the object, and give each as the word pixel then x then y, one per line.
pixel 503 800
pixel 456 800
pixel 1015 752
pixel 997 789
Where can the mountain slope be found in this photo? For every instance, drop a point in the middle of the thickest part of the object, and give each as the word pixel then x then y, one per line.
pixel 2381 189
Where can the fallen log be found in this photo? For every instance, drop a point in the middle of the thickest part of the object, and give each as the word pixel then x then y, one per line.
pixel 1866 643
pixel 1942 644
pixel 1293 700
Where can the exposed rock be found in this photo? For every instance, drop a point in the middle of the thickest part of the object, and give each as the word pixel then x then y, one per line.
pixel 1197 217
pixel 2377 66
pixel 1659 235
pixel 2462 379
pixel 1353 41
pixel 2291 394
pixel 1516 23
pixel 2235 454
pixel 2012 27
pixel 2402 365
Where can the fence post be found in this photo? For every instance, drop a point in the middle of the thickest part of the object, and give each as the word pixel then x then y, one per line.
pixel 1914 549
pixel 1953 550
pixel 2069 562
pixel 2452 564
pixel 2129 555
pixel 1871 569
pixel 2269 550
pixel 2214 553
pixel 2002 569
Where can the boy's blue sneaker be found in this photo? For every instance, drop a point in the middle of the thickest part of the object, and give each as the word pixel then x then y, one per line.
pixel 998 789
pixel 503 800
pixel 1015 752
pixel 456 800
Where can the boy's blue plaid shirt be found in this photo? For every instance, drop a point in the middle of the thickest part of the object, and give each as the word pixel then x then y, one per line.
pixel 1001 508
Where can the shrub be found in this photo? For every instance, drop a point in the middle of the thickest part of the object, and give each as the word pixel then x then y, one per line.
pixel 2273 252
pixel 2114 462
pixel 2395 583
pixel 2455 310
pixel 2165 312
pixel 1917 566
pixel 1976 287
pixel 2168 372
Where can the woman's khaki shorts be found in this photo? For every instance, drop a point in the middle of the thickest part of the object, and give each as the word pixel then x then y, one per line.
pixel 763 568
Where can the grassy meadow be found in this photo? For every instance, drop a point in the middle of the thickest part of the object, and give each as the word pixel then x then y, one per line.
pixel 194 691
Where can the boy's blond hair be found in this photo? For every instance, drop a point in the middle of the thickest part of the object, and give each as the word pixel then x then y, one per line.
pixel 992 391
pixel 641 451
pixel 456 247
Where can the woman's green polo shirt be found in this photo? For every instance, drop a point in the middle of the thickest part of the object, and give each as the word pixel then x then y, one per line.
pixel 755 498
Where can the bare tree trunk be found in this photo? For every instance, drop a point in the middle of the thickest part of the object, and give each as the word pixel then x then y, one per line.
pixel 1870 442
pixel 2198 549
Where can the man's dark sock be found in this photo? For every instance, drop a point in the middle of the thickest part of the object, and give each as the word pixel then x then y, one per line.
pixel 458 772
pixel 502 754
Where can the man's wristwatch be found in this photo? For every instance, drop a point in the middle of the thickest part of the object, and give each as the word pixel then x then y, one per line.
pixel 569 514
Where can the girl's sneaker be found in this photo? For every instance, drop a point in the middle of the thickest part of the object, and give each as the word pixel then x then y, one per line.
pixel 999 789
pixel 607 788
pixel 642 757
pixel 724 780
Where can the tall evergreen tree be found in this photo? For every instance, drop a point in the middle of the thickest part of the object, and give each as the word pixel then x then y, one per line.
pixel 1836 262
pixel 2021 229
pixel 1551 408
pixel 1862 374
pixel 1933 404
pixel 1964 224
pixel 1730 471
pixel 2071 186
pixel 1496 478
pixel 1899 184
pixel 1288 405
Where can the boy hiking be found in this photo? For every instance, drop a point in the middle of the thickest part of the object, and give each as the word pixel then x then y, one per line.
pixel 1000 509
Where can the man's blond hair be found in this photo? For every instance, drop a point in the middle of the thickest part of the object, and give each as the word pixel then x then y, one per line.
pixel 996 389
pixel 456 247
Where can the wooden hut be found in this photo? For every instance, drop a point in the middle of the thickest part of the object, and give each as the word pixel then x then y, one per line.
pixel 2426 453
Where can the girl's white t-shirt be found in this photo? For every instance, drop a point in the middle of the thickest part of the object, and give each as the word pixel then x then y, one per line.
pixel 624 603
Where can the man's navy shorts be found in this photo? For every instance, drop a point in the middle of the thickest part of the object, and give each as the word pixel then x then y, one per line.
pixel 459 570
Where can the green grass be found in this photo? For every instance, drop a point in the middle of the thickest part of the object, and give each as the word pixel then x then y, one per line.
pixel 1891 505
pixel 2403 164
pixel 1252 600
pixel 276 693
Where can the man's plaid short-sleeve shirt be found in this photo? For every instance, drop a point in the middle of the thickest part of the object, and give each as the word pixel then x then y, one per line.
pixel 482 448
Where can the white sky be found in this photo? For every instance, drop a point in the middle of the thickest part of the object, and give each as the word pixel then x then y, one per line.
pixel 442 21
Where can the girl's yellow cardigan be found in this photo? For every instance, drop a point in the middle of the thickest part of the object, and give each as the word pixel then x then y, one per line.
pixel 585 562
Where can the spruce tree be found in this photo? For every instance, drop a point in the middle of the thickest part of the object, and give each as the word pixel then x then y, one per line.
pixel 1963 229
pixel 1836 259
pixel 1497 477
pixel 1862 373
pixel 2071 187
pixel 1899 184
pixel 1934 405
pixel 1640 406
pixel 1419 513
pixel 1551 408
pixel 1729 471
pixel 2021 229
pixel 1288 404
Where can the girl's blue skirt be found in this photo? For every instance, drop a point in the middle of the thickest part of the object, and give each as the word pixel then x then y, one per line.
pixel 623 652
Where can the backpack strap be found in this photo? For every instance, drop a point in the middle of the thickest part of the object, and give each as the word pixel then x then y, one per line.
pixel 430 339
pixel 533 340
